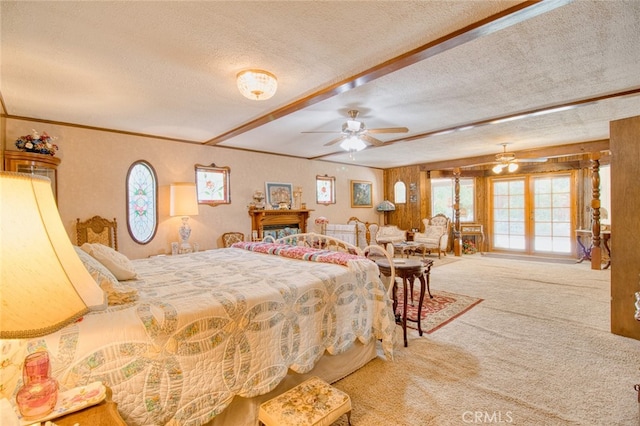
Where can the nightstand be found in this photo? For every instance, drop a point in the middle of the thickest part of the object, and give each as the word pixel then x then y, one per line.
pixel 103 414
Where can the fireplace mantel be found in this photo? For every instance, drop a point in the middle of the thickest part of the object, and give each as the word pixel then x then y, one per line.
pixel 277 218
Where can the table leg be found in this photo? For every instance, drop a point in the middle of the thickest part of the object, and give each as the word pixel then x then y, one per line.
pixel 404 308
pixel 411 290
pixel 427 273
pixel 423 284
pixel 395 300
pixel 608 248
pixel 586 252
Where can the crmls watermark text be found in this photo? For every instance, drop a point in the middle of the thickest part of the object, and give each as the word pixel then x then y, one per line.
pixel 495 417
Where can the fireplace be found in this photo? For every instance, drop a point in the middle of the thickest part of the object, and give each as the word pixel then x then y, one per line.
pixel 277 231
pixel 277 222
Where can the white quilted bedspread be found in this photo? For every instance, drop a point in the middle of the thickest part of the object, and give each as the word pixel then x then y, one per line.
pixel 212 325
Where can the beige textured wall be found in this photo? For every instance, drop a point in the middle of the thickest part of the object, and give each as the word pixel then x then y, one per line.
pixel 91 181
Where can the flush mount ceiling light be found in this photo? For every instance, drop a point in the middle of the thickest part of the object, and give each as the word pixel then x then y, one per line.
pixel 257 85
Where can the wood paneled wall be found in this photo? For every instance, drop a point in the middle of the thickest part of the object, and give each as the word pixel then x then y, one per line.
pixel 408 215
pixel 625 225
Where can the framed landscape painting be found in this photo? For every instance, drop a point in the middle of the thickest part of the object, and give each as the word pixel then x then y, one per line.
pixel 361 193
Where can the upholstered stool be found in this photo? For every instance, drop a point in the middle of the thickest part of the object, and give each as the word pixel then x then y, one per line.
pixel 313 402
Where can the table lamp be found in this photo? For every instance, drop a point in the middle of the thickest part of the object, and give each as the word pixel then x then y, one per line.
pixel 384 207
pixel 43 284
pixel 183 202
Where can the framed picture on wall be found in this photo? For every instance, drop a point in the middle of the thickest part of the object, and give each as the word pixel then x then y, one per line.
pixel 361 193
pixel 212 184
pixel 279 193
pixel 325 189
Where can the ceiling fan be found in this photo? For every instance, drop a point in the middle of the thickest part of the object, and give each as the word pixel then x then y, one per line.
pixel 355 135
pixel 508 160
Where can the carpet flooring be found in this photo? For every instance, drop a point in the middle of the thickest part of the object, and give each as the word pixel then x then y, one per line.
pixel 536 351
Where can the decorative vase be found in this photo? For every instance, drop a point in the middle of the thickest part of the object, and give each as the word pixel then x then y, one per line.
pixel 185 233
pixel 258 199
pixel 39 394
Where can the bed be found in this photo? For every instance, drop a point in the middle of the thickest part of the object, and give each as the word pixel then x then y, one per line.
pixel 213 333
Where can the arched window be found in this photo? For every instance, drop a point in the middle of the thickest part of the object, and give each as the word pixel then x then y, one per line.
pixel 142 202
pixel 399 192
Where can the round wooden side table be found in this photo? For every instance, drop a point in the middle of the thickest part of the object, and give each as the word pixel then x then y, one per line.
pixel 408 270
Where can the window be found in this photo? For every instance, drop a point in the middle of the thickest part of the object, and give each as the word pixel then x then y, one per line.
pixel 142 202
pixel 443 197
pixel 399 193
pixel 533 214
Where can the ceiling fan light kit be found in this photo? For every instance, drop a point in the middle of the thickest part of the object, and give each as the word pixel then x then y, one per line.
pixel 506 160
pixel 355 135
pixel 257 85
pixel 353 143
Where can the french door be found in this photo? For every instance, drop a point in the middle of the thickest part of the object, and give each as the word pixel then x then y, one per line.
pixel 533 214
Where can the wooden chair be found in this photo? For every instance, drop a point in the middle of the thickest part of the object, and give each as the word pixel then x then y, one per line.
pixel 230 238
pixel 97 230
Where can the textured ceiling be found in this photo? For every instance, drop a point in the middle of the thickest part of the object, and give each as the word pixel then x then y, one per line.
pixel 168 69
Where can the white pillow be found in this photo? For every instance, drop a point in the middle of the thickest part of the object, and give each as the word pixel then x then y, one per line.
pixel 117 263
pixel 117 293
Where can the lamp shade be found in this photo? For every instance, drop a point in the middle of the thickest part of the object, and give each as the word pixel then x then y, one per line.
pixel 43 284
pixel 258 85
pixel 183 200
pixel 386 206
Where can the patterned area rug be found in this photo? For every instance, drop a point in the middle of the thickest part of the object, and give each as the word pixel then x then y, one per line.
pixel 436 312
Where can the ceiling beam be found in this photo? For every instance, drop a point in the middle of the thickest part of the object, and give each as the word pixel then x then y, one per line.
pixel 504 19
pixel 487 121
pixel 545 152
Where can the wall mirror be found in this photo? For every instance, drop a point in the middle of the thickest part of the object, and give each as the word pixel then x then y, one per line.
pixel 212 184
pixel 399 193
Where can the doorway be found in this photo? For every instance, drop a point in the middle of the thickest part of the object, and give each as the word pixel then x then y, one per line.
pixel 533 214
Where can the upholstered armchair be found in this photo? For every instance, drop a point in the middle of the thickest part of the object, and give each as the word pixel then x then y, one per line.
pixel 435 236
pixel 387 234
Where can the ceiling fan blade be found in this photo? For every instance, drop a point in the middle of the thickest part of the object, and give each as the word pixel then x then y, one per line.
pixel 334 141
pixel 389 130
pixel 372 140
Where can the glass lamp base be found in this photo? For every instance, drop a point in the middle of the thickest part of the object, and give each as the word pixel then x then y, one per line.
pixel 38 399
